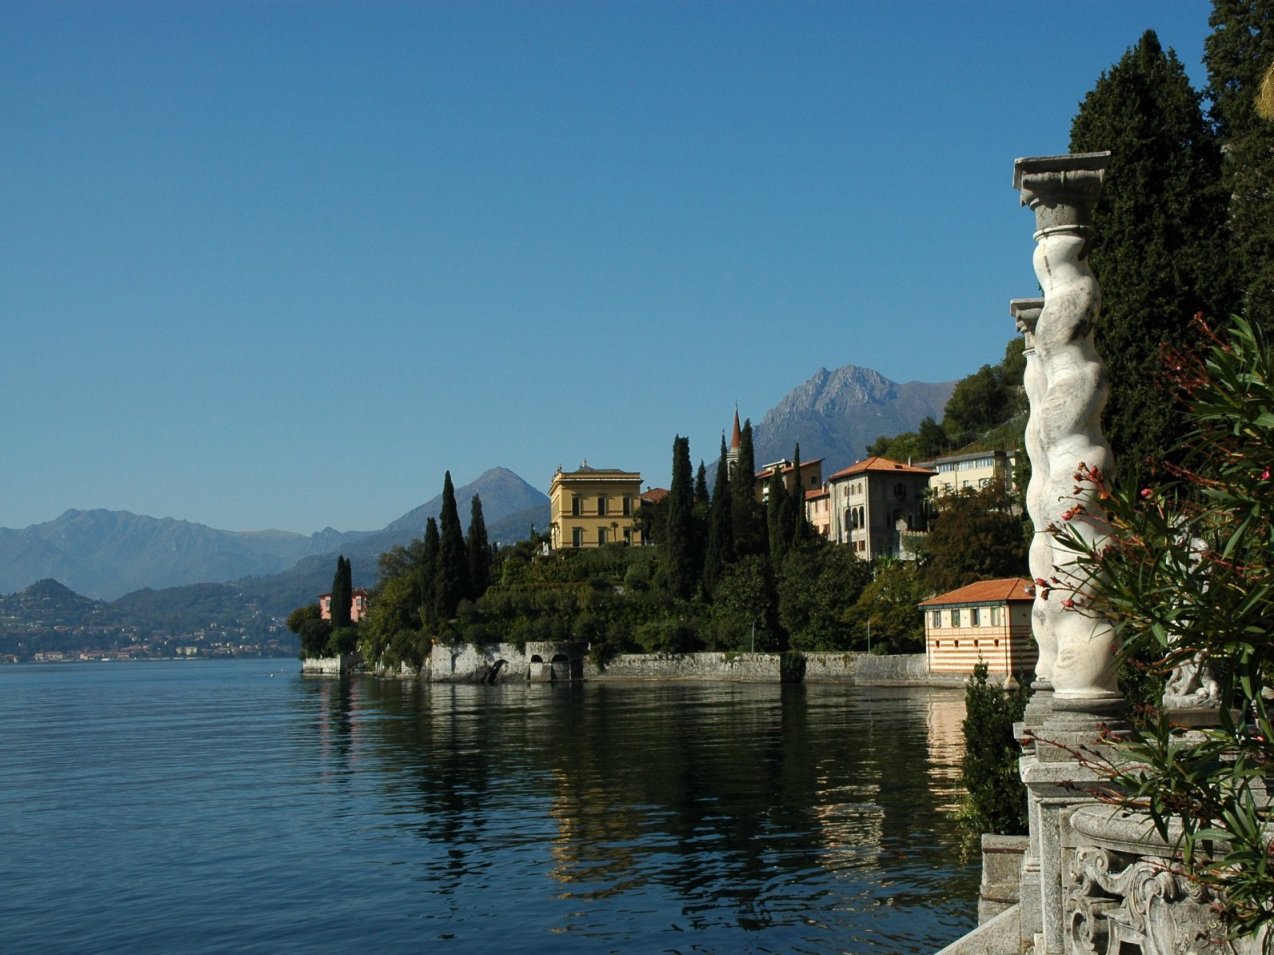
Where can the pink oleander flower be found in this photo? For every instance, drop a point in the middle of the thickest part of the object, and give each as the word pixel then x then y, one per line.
pixel 1068 603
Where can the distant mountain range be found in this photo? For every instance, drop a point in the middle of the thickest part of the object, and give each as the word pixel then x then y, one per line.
pixel 153 569
pixel 106 554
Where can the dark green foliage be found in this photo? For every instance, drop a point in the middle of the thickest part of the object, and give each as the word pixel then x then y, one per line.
pixel 995 798
pixel 342 593
pixel 978 403
pixel 887 618
pixel 478 549
pixel 974 537
pixel 745 607
pixel 307 623
pixel 1160 246
pixel 701 485
pixel 799 528
pixel 427 574
pixel 453 560
pixel 720 550
pixel 683 559
pixel 1237 53
pixel 748 518
pixel 819 585
pixel 775 499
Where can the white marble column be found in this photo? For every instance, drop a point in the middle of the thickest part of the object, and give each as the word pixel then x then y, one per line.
pixel 1071 456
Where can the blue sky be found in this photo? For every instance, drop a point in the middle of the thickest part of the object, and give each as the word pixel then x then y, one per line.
pixel 282 264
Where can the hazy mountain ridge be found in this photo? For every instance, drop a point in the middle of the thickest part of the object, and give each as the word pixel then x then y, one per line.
pixel 106 554
pixel 836 414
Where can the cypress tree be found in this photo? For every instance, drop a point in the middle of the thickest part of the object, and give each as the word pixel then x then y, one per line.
pixel 429 576
pixel 479 550
pixel 798 524
pixel 720 550
pixel 1159 245
pixel 342 593
pixel 778 509
pixel 678 537
pixel 453 561
pixel 1237 53
pixel 749 523
pixel 701 485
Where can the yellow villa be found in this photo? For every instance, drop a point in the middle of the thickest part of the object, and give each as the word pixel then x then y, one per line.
pixel 988 621
pixel 593 507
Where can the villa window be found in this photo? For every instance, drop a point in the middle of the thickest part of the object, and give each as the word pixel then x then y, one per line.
pixel 975 617
pixel 577 537
pixel 996 618
pixel 601 537
pixel 935 618
pixel 601 507
pixel 628 506
pixel 576 505
pixel 955 619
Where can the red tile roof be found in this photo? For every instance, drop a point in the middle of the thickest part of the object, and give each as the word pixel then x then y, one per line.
pixel 1003 590
pixel 654 495
pixel 876 464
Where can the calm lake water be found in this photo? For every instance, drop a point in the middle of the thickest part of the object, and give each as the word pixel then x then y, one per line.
pixel 235 806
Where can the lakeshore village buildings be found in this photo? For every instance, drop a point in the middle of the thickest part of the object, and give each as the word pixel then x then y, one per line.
pixel 877 507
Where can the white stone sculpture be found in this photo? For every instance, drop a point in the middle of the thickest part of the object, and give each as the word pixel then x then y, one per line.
pixel 1026 313
pixel 1070 456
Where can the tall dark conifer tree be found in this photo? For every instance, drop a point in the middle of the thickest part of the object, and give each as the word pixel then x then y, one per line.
pixel 453 560
pixel 1160 240
pixel 678 538
pixel 478 550
pixel 778 510
pixel 797 529
pixel 749 520
pixel 701 485
pixel 342 593
pixel 720 550
pixel 1237 53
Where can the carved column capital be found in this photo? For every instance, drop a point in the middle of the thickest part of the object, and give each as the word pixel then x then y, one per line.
pixel 1061 190
pixel 1026 313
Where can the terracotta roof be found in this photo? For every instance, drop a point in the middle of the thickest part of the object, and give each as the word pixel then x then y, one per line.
pixel 816 493
pixel 1003 590
pixel 655 495
pixel 877 463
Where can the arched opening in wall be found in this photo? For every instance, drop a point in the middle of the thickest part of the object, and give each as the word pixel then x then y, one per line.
pixel 561 665
pixel 536 658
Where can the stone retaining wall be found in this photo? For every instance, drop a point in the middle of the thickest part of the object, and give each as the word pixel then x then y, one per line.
pixel 331 666
pixel 902 669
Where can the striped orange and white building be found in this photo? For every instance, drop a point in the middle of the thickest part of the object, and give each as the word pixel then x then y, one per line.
pixel 989 621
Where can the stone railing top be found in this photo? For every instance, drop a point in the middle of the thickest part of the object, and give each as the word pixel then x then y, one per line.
pixel 1124 830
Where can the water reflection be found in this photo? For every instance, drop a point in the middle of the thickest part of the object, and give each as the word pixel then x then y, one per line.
pixel 793 814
